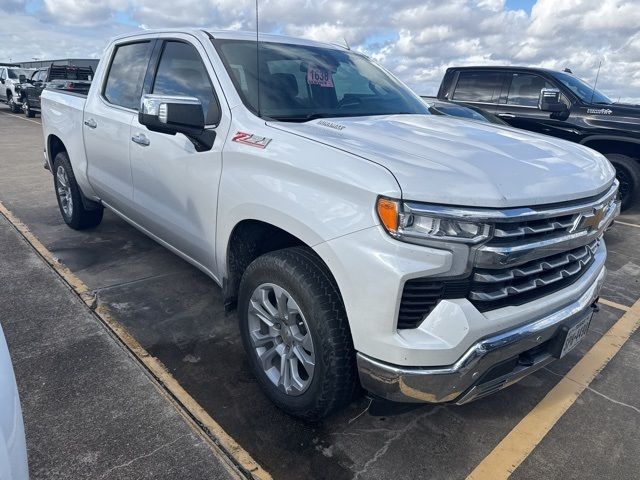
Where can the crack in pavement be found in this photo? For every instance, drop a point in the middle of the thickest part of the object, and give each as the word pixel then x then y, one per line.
pixel 606 397
pixel 146 455
pixel 399 433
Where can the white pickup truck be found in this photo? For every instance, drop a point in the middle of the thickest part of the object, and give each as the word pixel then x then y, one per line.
pixel 361 238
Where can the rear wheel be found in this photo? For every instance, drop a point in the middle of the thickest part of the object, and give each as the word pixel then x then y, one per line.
pixel 628 174
pixel 70 201
pixel 296 335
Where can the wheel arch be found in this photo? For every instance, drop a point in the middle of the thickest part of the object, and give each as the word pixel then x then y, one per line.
pixel 54 146
pixel 249 239
pixel 613 144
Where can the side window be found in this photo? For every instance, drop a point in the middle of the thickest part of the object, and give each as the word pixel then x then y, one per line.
pixel 478 87
pixel 2 73
pixel 126 74
pixel 525 89
pixel 181 72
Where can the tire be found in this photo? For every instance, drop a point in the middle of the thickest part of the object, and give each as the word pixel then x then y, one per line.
pixel 70 199
pixel 27 109
pixel 319 333
pixel 628 174
pixel 13 106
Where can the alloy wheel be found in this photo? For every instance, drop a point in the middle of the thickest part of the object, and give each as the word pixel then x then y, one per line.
pixel 64 191
pixel 281 339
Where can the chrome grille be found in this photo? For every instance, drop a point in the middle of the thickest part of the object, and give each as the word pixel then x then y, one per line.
pixel 490 288
pixel 532 252
pixel 507 232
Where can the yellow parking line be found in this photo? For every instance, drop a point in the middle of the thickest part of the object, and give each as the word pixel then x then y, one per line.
pixel 628 224
pixel 197 417
pixel 610 303
pixel 520 442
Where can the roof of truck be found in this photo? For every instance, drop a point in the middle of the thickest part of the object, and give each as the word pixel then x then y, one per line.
pixel 503 67
pixel 234 35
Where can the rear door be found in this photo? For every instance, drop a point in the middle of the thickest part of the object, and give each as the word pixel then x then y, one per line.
pixel 175 184
pixel 519 106
pixel 481 88
pixel 107 122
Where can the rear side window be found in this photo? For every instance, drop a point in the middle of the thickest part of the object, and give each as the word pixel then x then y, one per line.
pixel 126 74
pixel 478 87
pixel 181 72
pixel 525 89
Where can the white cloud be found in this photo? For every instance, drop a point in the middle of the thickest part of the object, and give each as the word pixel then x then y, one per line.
pixel 417 39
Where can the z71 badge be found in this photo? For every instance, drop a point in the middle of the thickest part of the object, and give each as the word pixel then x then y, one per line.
pixel 251 139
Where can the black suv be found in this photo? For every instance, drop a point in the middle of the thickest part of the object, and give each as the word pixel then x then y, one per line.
pixel 558 104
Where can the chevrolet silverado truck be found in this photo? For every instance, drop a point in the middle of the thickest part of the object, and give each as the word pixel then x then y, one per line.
pixel 559 104
pixel 360 238
pixel 9 81
pixel 61 77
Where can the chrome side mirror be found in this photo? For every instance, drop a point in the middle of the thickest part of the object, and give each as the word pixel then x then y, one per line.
pixel 172 114
pixel 549 100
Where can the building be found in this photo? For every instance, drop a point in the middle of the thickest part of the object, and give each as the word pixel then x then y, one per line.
pixel 78 62
pixel 7 64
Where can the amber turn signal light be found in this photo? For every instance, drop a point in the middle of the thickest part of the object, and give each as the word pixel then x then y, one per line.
pixel 388 213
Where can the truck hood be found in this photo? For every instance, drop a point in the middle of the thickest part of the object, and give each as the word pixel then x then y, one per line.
pixel 445 160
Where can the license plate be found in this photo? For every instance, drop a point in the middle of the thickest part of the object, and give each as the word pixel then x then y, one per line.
pixel 575 335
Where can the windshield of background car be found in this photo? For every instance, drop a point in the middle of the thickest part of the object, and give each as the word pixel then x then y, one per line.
pixel 300 82
pixel 581 89
pixel 16 72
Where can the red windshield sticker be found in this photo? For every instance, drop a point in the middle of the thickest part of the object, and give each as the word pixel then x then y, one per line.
pixel 319 76
pixel 251 139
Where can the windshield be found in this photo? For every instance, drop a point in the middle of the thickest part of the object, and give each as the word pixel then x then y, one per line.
pixel 581 89
pixel 16 72
pixel 299 82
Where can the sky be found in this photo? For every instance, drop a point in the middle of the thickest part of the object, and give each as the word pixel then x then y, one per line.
pixel 415 39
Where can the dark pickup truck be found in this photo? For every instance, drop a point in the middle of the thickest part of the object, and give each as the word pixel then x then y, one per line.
pixel 62 77
pixel 559 104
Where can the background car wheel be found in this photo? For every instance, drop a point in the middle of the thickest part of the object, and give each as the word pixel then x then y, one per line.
pixel 13 106
pixel 70 201
pixel 27 109
pixel 295 331
pixel 628 174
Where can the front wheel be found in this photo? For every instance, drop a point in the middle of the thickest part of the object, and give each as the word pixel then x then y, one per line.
pixel 70 201
pixel 13 106
pixel 628 174
pixel 295 332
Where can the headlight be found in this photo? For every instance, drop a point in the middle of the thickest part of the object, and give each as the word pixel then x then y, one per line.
pixel 412 226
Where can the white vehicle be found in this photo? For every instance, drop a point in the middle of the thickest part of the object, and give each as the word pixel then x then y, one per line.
pixel 13 449
pixel 9 78
pixel 436 259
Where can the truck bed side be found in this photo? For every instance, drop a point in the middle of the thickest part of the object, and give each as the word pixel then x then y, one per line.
pixel 62 118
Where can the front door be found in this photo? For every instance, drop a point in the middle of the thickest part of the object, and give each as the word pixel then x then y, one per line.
pixel 520 107
pixel 175 185
pixel 107 124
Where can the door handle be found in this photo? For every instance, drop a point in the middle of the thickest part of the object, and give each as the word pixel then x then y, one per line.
pixel 91 123
pixel 506 115
pixel 141 139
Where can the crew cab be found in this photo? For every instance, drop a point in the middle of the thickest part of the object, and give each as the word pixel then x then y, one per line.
pixel 558 104
pixel 9 80
pixel 359 237
pixel 62 77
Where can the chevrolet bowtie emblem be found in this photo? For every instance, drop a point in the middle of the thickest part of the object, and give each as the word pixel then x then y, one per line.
pixel 589 221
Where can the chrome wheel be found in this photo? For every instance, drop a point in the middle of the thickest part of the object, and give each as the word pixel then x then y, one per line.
pixel 281 339
pixel 64 191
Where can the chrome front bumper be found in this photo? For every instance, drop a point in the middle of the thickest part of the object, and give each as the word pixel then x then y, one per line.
pixel 487 366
